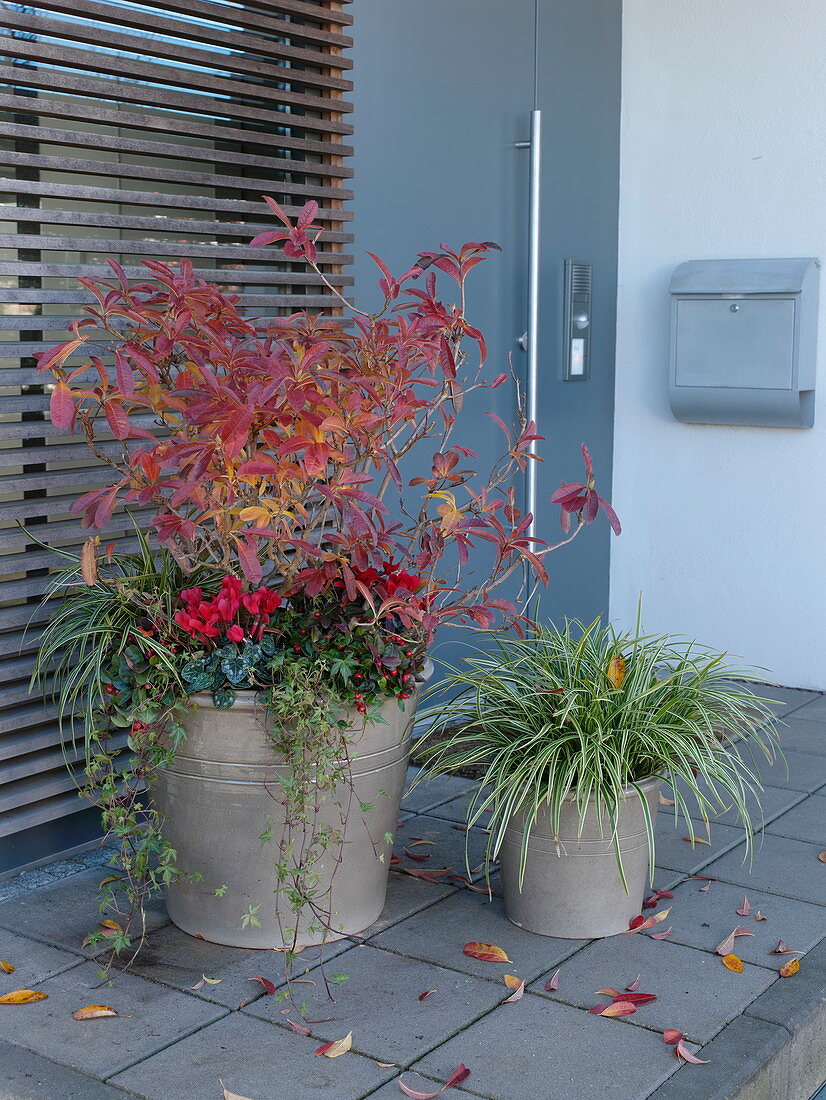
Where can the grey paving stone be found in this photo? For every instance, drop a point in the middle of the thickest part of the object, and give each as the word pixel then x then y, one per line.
pixel 65 912
pixel 704 919
pixel 406 895
pixel 792 1002
pixel 787 700
pixel 157 1017
pixel 254 1059
pixel 448 847
pixel 432 792
pixel 31 880
pixel 772 802
pixel 27 1076
pixel 800 735
pixel 806 770
pixel 780 866
pixel 805 821
pixel 415 1080
pixel 62 868
pixel 457 808
pixel 539 1048
pixel 96 857
pixel 747 1054
pixel 695 992
pixel 438 935
pixel 11 888
pixel 675 854
pixel 379 1004
pixel 814 710
pixel 33 962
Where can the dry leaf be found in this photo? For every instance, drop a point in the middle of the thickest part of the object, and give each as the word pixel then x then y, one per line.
pixel 206 981
pixel 512 982
pixel 265 982
pixel 822 857
pixel 337 1048
pixel 426 994
pixel 731 962
pixel 299 1029
pixel 92 1012
pixel 485 952
pixel 759 916
pixel 696 840
pixel 552 982
pixel 230 1095
pixel 726 946
pixel 784 949
pixel 683 1052
pixel 109 878
pixel 418 856
pixel 385 1065
pixel 112 925
pixel 637 924
pixel 616 671
pixel 7 968
pixel 89 561
pixel 517 994
pixel 705 889
pixel 634 985
pixel 672 1036
pixel 666 801
pixel 615 1008
pixel 744 909
pixel 661 935
pixel 636 998
pixel 22 997
pixel 609 991
pixel 789 968
pixel 461 1073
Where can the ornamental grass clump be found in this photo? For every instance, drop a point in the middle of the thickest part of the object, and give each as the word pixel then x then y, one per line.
pixel 583 713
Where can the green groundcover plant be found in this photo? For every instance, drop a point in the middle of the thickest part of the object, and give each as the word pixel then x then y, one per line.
pixel 584 713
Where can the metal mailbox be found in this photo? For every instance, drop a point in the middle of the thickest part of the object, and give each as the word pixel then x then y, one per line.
pixel 744 342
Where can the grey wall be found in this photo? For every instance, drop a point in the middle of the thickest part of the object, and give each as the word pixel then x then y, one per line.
pixel 443 89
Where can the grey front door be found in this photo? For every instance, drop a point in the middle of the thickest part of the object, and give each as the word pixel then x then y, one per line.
pixel 443 95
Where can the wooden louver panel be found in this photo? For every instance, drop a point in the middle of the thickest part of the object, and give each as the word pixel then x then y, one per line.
pixel 138 130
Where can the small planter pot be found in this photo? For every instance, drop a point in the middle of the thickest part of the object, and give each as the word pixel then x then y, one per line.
pixel 220 794
pixel 572 886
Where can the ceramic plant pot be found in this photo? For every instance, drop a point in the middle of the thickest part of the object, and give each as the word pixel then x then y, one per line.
pixel 572 886
pixel 221 793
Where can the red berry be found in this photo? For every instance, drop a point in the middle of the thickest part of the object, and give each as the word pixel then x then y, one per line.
pixel 358 676
pixel 297 648
pixel 357 695
pixel 404 694
pixel 110 689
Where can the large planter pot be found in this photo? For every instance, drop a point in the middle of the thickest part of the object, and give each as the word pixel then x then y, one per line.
pixel 572 886
pixel 221 793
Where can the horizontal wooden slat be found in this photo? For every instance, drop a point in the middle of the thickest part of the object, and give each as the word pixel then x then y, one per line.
pixel 152 249
pixel 47 54
pixel 121 170
pixel 172 99
pixel 124 197
pixel 257 275
pixel 211 60
pixel 47 107
pixel 247 17
pixel 319 12
pixel 222 35
pixel 87 140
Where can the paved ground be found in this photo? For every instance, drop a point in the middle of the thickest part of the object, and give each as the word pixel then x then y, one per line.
pixel 764 1036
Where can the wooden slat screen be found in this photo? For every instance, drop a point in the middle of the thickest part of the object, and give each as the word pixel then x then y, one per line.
pixel 138 130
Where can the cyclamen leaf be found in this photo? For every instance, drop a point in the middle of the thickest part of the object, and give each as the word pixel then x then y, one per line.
pixel 485 952
pixel 337 1048
pixel 22 997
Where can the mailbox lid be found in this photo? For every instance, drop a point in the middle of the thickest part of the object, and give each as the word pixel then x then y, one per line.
pixel 736 277
pixel 742 345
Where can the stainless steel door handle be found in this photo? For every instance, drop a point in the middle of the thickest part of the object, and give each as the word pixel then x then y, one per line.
pixel 530 339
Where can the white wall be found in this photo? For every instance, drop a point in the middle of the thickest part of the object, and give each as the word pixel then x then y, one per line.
pixel 723 155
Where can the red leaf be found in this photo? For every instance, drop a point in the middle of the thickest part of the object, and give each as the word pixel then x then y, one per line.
pixel 634 985
pixel 117 419
pixel 636 998
pixel 635 923
pixel 517 994
pixel 744 909
pixel 485 952
pixel 683 1052
pixel 426 994
pixel 615 1008
pixel 267 984
pixel 552 982
pixel 661 935
pixel 299 1029
pixel 461 1073
pixel 62 407
pixel 672 1036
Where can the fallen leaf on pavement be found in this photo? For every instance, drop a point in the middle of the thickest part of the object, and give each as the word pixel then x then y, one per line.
pixel 517 995
pixel 634 985
pixel 461 1073
pixel 426 994
pixel 661 935
pixel 726 946
pixel 744 909
pixel 112 925
pixel 682 1051
pixel 22 997
pixel 485 952
pixel 7 968
pixel 696 840
pixel 418 856
pixel 337 1048
pixel 822 857
pixel 615 1008
pixel 609 991
pixel 666 801
pixel 731 962
pixel 789 968
pixel 265 982
pixel 230 1095
pixel 512 982
pixel 643 925
pixel 552 982
pixel 299 1029
pixel 636 998
pixel 784 949
pixel 207 981
pixel 705 889
pixel 385 1065
pixel 672 1036
pixel 92 1012
pixel 759 916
